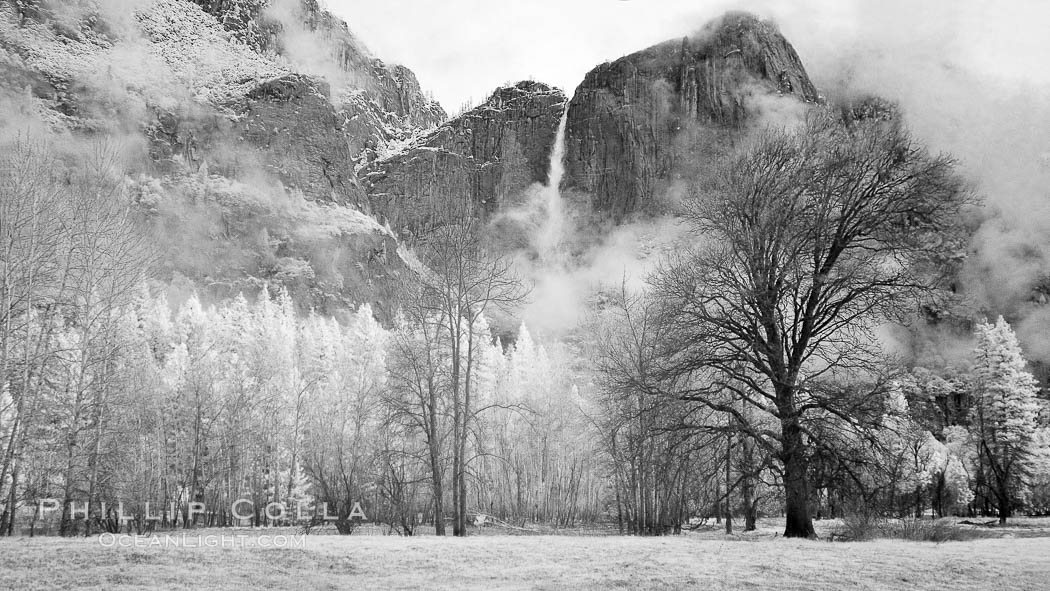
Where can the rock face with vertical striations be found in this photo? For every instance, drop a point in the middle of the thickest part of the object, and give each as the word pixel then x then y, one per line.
pixel 470 165
pixel 291 122
pixel 635 123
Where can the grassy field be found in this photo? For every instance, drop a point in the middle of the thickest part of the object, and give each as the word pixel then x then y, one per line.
pixel 706 560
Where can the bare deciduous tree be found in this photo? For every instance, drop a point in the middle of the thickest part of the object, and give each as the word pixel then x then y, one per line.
pixel 72 258
pixel 460 282
pixel 813 238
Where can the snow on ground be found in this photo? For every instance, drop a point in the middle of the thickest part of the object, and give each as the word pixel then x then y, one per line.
pixel 532 562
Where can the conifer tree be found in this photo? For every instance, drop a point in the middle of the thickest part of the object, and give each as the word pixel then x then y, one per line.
pixel 1004 414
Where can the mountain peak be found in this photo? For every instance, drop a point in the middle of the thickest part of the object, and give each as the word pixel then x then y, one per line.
pixel 759 45
pixel 654 110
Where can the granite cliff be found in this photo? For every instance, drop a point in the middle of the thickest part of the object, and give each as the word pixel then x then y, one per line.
pixel 635 123
pixel 242 155
pixel 277 148
pixel 473 164
pixel 638 129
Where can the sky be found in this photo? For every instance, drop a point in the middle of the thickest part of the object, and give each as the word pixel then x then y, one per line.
pixel 462 50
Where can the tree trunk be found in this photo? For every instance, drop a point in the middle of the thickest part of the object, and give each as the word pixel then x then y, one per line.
pixel 718 493
pixel 729 488
pixel 94 460
pixel 12 503
pixel 67 526
pixel 747 491
pixel 439 497
pixel 938 496
pixel 1003 505
pixel 461 443
pixel 457 528
pixel 746 462
pixel 796 483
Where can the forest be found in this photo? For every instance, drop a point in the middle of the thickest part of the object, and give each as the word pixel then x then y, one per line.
pixel 751 377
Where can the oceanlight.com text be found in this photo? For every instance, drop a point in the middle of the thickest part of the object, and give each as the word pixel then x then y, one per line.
pixel 229 541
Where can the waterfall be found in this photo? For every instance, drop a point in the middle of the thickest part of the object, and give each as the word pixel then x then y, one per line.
pixel 557 165
pixel 551 232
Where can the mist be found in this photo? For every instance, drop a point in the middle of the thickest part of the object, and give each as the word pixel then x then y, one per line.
pixel 970 83
pixel 573 260
pixel 308 51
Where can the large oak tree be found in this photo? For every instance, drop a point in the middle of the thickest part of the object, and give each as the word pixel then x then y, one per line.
pixel 808 241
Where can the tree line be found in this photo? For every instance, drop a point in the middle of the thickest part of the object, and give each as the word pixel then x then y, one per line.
pixel 113 398
pixel 755 367
pixel 750 378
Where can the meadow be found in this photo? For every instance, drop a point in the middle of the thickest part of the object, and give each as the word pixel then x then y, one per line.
pixel 1015 557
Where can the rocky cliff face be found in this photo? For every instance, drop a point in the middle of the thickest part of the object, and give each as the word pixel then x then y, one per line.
pixel 285 126
pixel 472 164
pixel 291 120
pixel 222 237
pixel 246 140
pixel 639 129
pixel 247 172
pixel 383 102
pixel 635 123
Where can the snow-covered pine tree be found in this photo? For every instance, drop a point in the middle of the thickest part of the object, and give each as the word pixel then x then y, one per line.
pixel 1004 414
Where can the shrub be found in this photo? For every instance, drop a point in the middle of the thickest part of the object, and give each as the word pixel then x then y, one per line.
pixel 861 526
pixel 860 522
pixel 921 530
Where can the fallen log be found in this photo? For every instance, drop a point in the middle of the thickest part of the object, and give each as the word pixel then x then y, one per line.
pixel 991 523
